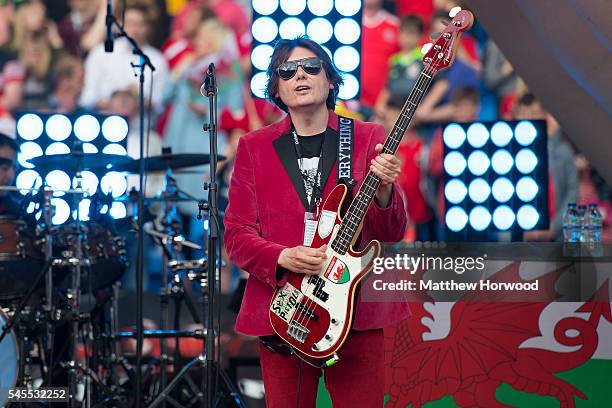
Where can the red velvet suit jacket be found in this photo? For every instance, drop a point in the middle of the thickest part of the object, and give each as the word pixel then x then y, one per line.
pixel 266 215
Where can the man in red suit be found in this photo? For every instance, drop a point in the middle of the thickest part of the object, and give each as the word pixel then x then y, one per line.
pixel 280 173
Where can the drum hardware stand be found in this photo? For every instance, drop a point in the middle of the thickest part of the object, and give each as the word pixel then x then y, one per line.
pixel 172 288
pixel 75 260
pixel 170 250
pixel 26 298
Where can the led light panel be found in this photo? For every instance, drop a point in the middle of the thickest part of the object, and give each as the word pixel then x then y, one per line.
pixel 496 173
pixel 41 134
pixel 335 25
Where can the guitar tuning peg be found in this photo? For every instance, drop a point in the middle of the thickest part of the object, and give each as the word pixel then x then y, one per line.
pixel 426 47
pixel 453 12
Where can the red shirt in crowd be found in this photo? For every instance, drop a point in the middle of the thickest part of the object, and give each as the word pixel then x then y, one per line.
pixel 379 42
pixel 410 179
pixel 422 8
pixel 230 13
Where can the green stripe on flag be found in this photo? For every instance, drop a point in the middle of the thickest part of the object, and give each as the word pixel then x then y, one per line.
pixel 593 378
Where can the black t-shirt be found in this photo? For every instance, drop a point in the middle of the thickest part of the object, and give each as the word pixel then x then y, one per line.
pixel 309 163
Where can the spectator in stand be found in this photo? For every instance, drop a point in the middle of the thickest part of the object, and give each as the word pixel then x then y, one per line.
pixel 106 73
pixel 38 46
pixel 435 107
pixel 234 125
pixel 424 9
pixel 6 21
pixel 379 42
pixel 12 78
pixel 78 29
pixel 157 16
pixel 563 175
pixel 180 42
pixel 179 46
pixel 404 66
pixel 499 77
pixel 422 226
pixel 463 107
pixel 67 84
pixel 232 14
pixel 184 134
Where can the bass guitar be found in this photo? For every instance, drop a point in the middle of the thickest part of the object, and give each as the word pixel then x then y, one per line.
pixel 313 313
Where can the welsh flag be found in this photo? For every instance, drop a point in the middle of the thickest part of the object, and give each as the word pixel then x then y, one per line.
pixel 503 354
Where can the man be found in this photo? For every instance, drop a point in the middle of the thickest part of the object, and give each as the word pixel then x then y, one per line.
pixel 67 83
pixel 106 73
pixel 380 30
pixel 8 161
pixel 270 192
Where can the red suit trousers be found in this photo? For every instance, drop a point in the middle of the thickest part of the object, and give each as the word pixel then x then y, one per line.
pixel 357 380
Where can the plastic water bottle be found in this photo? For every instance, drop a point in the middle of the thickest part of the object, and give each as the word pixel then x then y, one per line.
pixel 582 209
pixel 571 224
pixel 593 223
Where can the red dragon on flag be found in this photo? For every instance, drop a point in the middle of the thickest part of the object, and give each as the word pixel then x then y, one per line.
pixel 482 350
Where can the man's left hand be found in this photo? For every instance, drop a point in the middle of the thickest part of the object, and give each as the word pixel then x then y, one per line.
pixel 387 167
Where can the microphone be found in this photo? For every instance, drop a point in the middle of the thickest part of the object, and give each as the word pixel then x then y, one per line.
pixel 209 87
pixel 108 44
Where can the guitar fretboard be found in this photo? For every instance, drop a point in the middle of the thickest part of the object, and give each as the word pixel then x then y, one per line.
pixel 358 208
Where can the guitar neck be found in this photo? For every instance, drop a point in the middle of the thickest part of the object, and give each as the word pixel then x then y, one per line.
pixel 358 208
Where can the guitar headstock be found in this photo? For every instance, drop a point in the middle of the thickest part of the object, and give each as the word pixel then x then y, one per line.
pixel 441 54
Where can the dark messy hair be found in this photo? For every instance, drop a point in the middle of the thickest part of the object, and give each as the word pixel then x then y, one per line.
pixel 282 49
pixel 412 21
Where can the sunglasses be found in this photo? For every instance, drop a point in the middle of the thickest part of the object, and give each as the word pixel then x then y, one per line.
pixel 288 69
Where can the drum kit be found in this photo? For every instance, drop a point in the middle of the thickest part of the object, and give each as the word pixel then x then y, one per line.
pixel 59 287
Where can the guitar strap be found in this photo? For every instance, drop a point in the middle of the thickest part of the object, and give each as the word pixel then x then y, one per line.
pixel 346 130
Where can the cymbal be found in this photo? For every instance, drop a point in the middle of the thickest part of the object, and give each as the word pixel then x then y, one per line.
pixel 74 161
pixel 168 161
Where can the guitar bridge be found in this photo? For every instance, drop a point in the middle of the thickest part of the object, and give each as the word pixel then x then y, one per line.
pixel 298 331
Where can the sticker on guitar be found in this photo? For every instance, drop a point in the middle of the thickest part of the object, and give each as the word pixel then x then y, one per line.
pixel 286 301
pixel 326 223
pixel 337 271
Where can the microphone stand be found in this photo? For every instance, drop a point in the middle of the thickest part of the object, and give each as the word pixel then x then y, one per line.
pixel 211 370
pixel 210 86
pixel 214 371
pixel 144 62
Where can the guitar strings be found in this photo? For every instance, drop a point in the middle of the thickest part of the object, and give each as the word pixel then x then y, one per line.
pixel 428 70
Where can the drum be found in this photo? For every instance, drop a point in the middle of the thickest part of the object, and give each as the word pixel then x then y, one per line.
pixel 20 258
pixel 9 362
pixel 105 251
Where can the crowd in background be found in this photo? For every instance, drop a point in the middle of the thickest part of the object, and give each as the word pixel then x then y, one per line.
pixel 52 58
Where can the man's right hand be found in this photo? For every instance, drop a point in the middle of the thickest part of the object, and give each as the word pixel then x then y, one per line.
pixel 301 259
